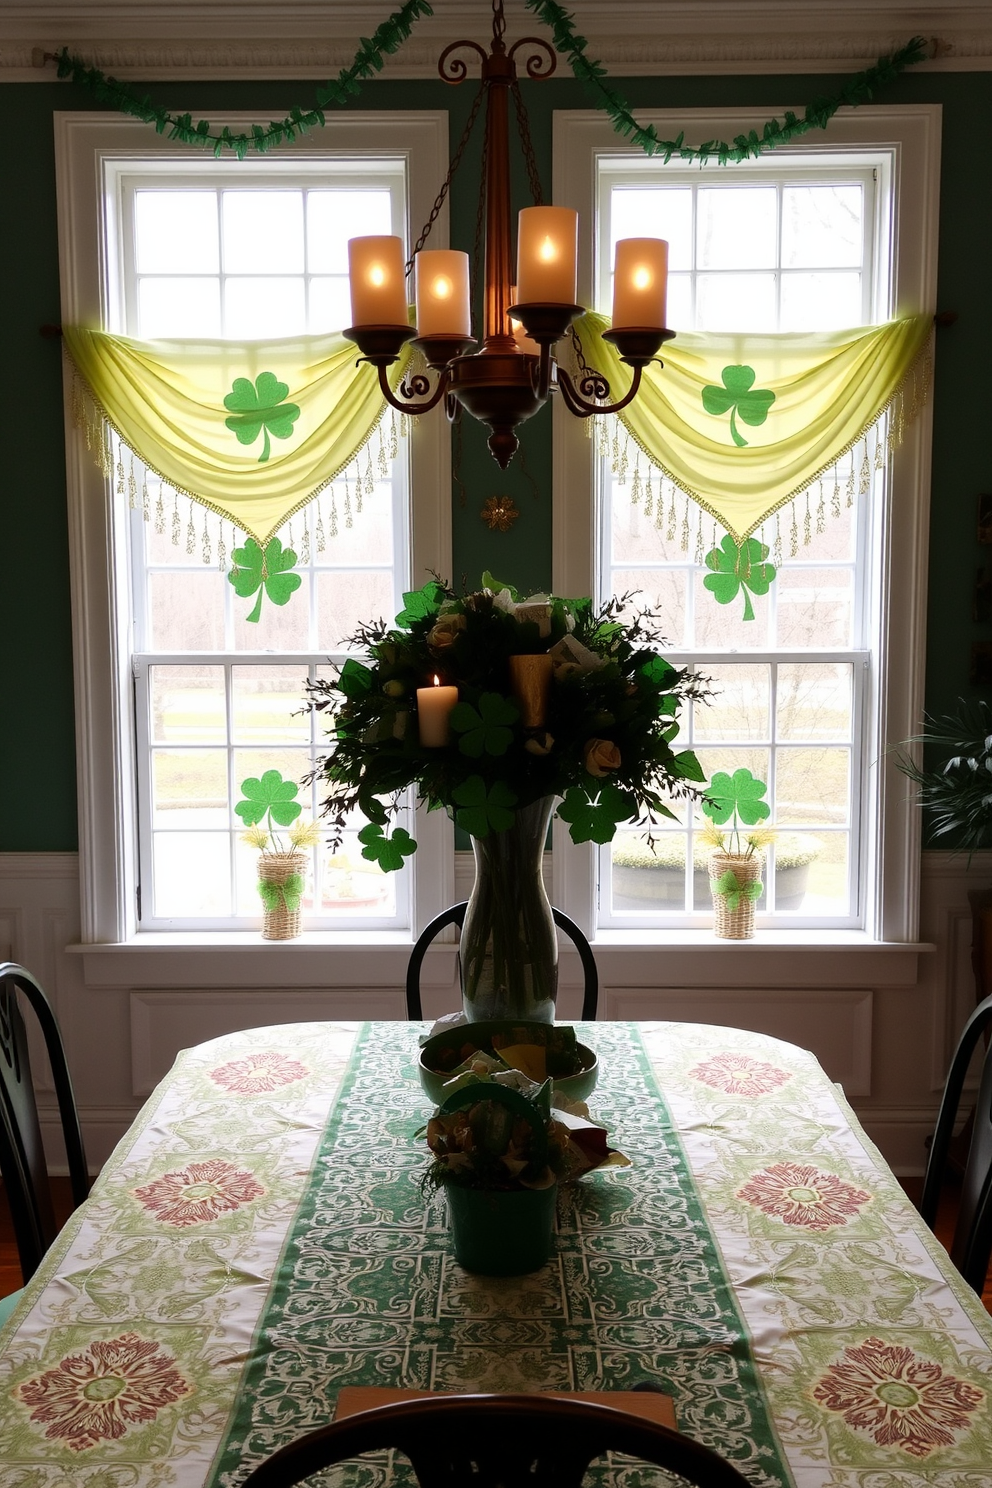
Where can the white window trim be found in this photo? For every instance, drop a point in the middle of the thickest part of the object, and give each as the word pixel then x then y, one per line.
pixel 912 132
pixel 98 568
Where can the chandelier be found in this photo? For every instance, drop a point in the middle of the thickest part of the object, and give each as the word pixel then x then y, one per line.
pixel 514 372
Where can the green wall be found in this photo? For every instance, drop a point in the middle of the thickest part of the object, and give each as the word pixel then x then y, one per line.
pixel 37 765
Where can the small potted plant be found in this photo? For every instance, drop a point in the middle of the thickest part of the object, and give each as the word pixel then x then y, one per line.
pixel 736 860
pixel 269 802
pixel 958 793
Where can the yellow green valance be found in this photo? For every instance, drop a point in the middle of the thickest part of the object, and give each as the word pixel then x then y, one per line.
pixel 252 431
pixel 744 423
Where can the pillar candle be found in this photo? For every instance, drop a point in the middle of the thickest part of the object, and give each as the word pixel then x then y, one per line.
pixel 442 293
pixel 378 283
pixel 547 253
pixel 640 283
pixel 530 679
pixel 433 706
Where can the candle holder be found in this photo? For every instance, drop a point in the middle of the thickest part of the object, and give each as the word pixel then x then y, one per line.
pixel 545 323
pixel 638 345
pixel 440 350
pixel 379 344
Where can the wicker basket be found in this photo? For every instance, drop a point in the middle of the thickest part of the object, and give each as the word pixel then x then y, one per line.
pixel 279 922
pixel 735 923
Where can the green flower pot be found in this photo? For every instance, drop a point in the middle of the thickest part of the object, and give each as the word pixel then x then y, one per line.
pixel 501 1233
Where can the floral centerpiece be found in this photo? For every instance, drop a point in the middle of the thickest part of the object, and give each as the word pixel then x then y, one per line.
pixel 502 709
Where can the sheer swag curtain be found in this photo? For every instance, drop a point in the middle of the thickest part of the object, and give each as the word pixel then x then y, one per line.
pixel 741 424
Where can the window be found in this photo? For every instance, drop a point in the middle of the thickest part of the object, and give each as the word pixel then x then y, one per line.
pixel 198 695
pixel 803 239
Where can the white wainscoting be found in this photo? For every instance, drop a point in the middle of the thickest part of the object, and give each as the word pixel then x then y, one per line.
pixel 881 1024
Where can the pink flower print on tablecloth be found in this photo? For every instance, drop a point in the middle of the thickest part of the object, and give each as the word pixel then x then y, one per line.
pixel 739 1074
pixel 199 1193
pixel 96 1395
pixel 799 1194
pixel 898 1397
pixel 258 1073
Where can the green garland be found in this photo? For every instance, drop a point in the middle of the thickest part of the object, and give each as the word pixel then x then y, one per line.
pixel 369 59
pixel 388 37
pixel 858 89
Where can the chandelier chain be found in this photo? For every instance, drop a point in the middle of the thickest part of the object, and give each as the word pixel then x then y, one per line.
pixel 499 21
pixel 526 144
pixel 456 160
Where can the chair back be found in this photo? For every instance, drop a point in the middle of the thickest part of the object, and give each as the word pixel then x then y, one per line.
pixel 971 1247
pixel 22 1154
pixel 496 1441
pixel 455 915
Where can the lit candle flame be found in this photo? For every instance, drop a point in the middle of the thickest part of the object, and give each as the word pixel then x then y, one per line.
pixel 548 251
pixel 441 288
pixel 377 275
pixel 642 277
pixel 437 680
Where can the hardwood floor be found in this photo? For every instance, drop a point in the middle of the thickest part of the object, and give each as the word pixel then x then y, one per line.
pixel 10 1271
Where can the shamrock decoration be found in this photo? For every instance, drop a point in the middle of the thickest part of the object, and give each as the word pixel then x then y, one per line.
pixel 729 885
pixel 739 395
pixel 419 603
pixel 265 570
pixel 736 568
pixel 388 852
pixel 595 820
pixel 260 409
pixel 484 729
pixel 737 795
pixel 482 811
pixel 272 797
pixel 288 893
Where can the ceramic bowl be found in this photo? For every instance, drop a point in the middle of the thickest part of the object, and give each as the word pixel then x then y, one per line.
pixel 577 1087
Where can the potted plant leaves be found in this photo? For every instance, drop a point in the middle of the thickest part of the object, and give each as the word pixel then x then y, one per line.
pixel 268 803
pixel 958 792
pixel 736 860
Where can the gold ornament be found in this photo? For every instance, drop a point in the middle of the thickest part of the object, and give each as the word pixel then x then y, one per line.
pixel 500 512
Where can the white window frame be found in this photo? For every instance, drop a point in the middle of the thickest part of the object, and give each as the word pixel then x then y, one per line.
pixel 86 144
pixel 911 137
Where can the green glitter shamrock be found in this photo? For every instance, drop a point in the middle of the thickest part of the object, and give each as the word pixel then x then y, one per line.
pixel 388 852
pixel 595 819
pixel 272 797
pixel 267 571
pixel 736 568
pixel 738 395
pixel 260 409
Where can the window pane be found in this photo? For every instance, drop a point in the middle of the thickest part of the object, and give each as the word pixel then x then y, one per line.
pixel 186 611
pixel 723 625
pixel 815 607
pixel 335 216
pixel 813 786
pixel 188 705
pixel 346 599
pixel 178 307
pixel 192 874
pixel 654 212
pixel 735 302
pixel 365 541
pixel 354 886
pixel 821 302
pixel 679 311
pixel 278 627
pixel 262 232
pixel 815 700
pixel 171 546
pixel 664 591
pixel 330 305
pixel 822 226
pixel 642 881
pixel 824 891
pixel 736 757
pixel 189 788
pixel 740 707
pixel 175 232
pixel 259 309
pixel 268 705
pixel 736 227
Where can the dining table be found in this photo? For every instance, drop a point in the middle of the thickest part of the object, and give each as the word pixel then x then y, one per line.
pixel 263 1236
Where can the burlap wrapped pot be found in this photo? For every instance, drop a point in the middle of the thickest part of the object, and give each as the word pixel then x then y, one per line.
pixel 735 923
pixel 275 868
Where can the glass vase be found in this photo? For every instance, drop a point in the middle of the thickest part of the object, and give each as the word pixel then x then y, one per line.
pixel 508 949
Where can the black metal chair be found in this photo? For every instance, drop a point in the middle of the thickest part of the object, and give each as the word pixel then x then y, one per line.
pixel 455 916
pixel 22 1155
pixel 496 1441
pixel 971 1247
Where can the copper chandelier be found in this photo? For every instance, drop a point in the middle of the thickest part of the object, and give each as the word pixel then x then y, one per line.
pixel 512 375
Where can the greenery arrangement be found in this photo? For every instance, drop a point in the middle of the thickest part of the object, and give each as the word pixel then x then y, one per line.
pixel 603 742
pixel 958 793
pixel 388 37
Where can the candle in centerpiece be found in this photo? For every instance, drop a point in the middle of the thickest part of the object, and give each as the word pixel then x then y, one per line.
pixel 442 293
pixel 640 283
pixel 530 682
pixel 547 255
pixel 433 706
pixel 378 281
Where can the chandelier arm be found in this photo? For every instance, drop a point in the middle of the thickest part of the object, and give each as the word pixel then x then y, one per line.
pixel 597 386
pixel 417 385
pixel 538 67
pixel 457 71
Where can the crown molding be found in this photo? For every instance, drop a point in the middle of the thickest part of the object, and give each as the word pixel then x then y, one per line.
pixel 232 39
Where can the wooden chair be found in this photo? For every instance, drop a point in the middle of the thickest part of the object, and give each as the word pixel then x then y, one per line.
pixel 22 1155
pixel 971 1247
pixel 496 1441
pixel 455 916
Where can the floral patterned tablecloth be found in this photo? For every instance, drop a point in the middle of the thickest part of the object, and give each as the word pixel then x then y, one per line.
pixel 260 1239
